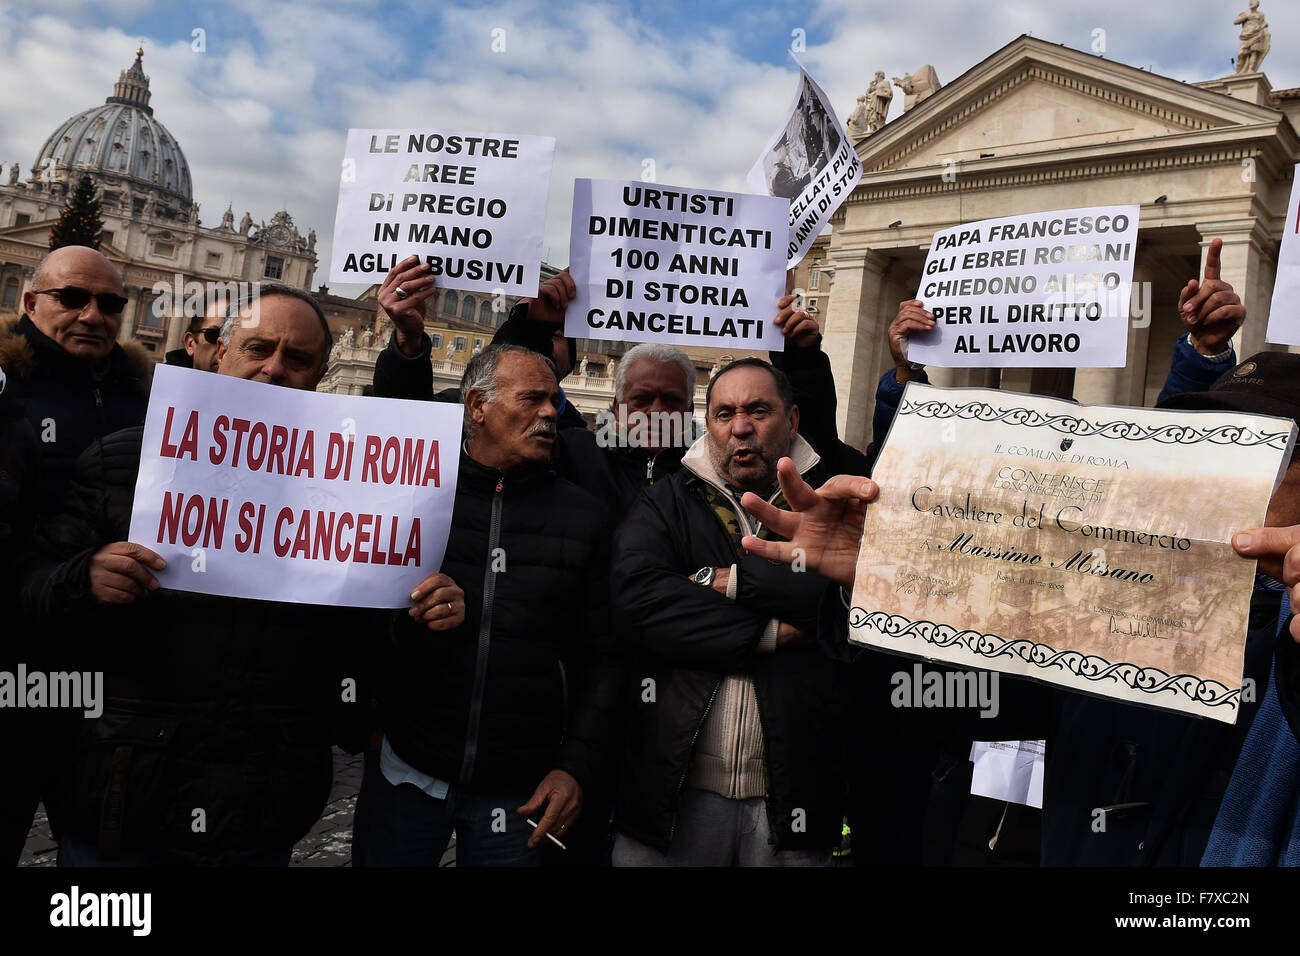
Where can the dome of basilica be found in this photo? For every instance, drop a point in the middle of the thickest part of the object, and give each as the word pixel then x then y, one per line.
pixel 121 139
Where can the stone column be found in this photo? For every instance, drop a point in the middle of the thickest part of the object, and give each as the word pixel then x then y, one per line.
pixel 853 336
pixel 129 314
pixel 177 322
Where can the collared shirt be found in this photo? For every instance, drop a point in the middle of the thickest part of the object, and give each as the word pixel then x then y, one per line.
pixel 397 772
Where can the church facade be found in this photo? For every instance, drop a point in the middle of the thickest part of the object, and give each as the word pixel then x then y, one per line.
pixel 1038 126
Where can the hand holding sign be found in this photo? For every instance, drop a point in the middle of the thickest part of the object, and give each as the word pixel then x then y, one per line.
pixel 1278 551
pixel 1210 309
pixel 553 298
pixel 912 317
pixel 119 573
pixel 439 602
pixel 406 308
pixel 797 327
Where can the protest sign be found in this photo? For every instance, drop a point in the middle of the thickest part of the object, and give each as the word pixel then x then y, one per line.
pixel 1283 319
pixel 683 266
pixel 260 491
pixel 1071 544
pixel 1009 770
pixel 1044 290
pixel 472 205
pixel 809 161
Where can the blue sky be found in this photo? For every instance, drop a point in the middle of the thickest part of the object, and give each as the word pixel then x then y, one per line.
pixel 262 111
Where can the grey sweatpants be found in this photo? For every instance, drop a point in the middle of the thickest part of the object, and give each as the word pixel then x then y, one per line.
pixel 715 831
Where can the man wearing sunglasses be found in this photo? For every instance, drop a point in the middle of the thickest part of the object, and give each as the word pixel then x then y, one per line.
pixel 201 337
pixel 75 384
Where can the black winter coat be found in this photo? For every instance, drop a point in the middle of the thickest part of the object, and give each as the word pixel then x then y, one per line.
pixel 224 705
pixel 69 404
pixel 527 684
pixel 686 638
pixel 18 464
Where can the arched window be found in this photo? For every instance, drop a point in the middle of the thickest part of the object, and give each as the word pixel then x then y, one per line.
pixel 467 308
pixel 485 313
pixel 450 302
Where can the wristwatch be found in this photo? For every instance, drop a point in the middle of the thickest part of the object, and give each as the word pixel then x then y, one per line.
pixel 704 576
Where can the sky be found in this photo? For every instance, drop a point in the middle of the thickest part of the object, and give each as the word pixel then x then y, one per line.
pixel 260 94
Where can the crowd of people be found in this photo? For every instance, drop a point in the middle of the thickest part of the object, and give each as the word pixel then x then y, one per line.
pixel 634 653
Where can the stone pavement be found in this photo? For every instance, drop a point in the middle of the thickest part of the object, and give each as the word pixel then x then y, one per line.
pixel 329 843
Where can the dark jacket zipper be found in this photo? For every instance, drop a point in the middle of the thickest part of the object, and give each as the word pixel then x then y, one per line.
pixel 685 770
pixel 484 640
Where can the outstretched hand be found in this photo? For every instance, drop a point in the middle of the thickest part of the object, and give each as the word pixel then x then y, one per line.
pixel 823 527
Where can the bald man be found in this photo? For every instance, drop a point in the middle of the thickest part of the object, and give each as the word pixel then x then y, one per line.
pixel 64 363
pixel 76 384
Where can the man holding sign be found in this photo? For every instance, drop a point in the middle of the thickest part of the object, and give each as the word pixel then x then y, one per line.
pixel 506 719
pixel 214 744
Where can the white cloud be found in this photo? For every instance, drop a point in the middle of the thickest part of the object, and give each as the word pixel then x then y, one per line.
pixel 262 114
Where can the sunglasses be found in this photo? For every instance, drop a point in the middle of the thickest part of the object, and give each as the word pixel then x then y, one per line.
pixel 75 297
pixel 208 335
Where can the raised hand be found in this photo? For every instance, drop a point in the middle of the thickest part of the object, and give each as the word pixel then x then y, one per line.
pixel 1209 308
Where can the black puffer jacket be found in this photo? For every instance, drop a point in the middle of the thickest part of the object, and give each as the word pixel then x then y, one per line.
pixel 528 683
pixel 218 704
pixel 686 638
pixel 69 404
pixel 18 462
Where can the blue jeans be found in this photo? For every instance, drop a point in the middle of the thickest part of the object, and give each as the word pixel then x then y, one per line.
pixel 404 826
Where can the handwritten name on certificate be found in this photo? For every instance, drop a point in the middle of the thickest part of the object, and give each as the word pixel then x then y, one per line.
pixel 1083 546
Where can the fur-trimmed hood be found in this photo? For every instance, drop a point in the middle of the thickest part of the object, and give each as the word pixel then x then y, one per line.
pixel 19 359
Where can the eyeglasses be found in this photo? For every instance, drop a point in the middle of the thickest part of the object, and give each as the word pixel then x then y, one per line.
pixel 209 335
pixel 75 297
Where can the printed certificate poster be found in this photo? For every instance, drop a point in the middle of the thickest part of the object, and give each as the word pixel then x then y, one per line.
pixel 259 491
pixel 1044 290
pixel 1283 322
pixel 472 205
pixel 659 263
pixel 809 161
pixel 1084 546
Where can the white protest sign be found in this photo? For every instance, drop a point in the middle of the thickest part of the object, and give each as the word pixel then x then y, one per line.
pixel 260 491
pixel 1044 290
pixel 1010 770
pixel 1283 319
pixel 810 162
pixel 473 205
pixel 683 266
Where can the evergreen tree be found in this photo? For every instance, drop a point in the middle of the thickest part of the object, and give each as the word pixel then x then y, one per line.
pixel 79 223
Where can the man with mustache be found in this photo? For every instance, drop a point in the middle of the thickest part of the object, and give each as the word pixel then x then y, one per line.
pixel 66 371
pixel 735 754
pixel 507 717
